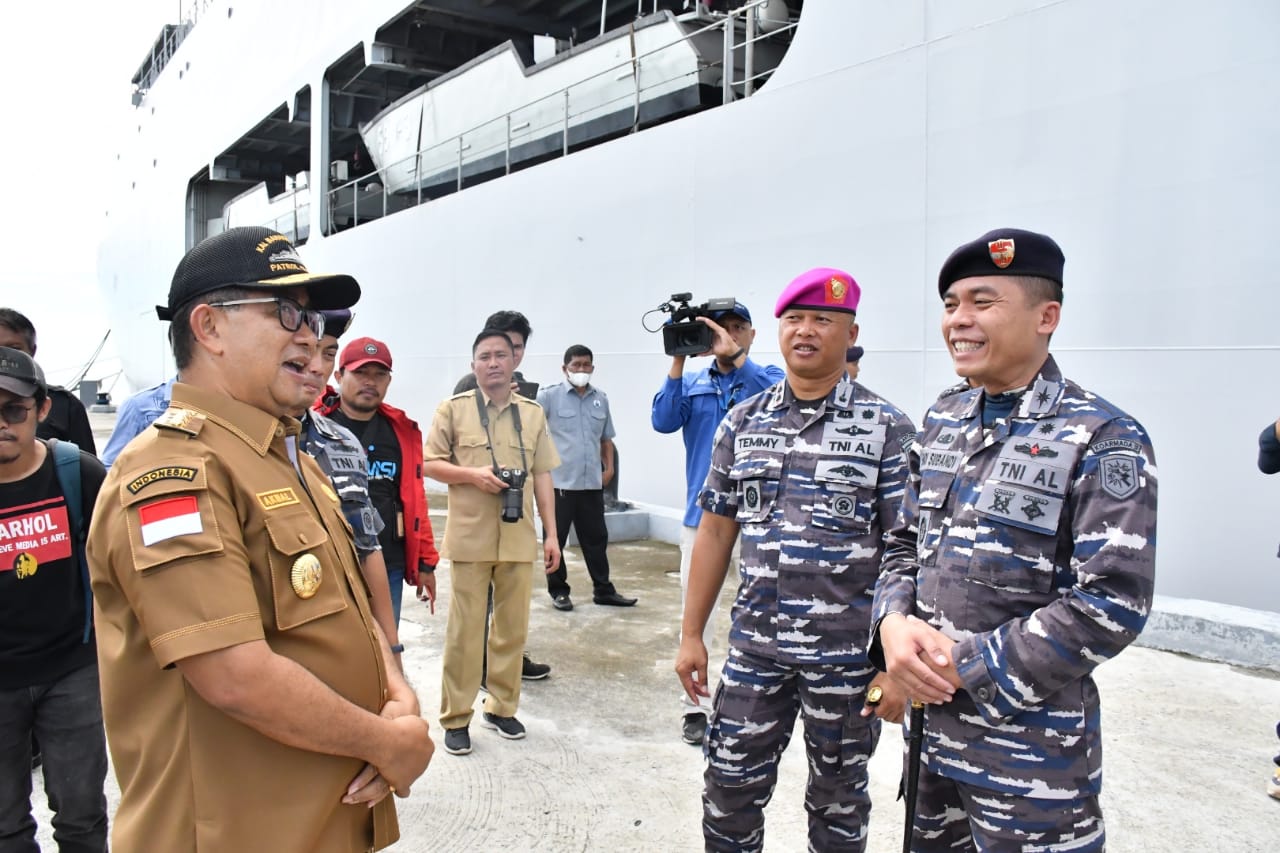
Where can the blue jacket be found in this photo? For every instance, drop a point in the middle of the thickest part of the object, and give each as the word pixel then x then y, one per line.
pixel 696 403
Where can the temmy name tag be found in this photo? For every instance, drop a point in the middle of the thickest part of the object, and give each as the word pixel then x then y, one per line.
pixel 1023 507
pixel 758 442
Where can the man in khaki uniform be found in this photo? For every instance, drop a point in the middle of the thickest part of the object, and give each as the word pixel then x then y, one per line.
pixel 484 444
pixel 249 697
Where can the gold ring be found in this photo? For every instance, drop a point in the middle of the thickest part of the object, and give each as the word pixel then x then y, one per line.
pixel 392 787
pixel 874 695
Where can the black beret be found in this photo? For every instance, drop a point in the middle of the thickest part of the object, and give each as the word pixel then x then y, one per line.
pixel 1004 251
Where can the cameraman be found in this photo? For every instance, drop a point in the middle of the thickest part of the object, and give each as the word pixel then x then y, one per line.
pixel 477 437
pixel 695 404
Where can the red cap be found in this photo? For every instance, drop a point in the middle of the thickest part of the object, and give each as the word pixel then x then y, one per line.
pixel 364 351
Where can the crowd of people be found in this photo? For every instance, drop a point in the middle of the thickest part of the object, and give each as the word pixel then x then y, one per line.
pixel 225 587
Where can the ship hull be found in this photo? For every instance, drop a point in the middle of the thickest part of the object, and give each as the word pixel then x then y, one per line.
pixel 1139 134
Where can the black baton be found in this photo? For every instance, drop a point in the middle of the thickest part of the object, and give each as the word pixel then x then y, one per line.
pixel 913 769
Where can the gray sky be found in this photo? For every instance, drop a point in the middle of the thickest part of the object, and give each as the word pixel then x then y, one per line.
pixel 67 67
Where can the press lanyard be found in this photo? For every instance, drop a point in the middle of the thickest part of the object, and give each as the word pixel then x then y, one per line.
pixel 515 421
pixel 734 387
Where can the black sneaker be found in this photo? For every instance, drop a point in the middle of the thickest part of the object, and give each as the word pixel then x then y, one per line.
pixel 457 741
pixel 508 727
pixel 562 601
pixel 531 671
pixel 694 728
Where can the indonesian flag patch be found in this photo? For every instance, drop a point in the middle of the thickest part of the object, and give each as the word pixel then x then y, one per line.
pixel 165 519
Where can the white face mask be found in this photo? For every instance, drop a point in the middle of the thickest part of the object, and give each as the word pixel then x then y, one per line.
pixel 579 380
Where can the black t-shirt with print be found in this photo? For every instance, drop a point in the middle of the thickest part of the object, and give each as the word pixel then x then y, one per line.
pixel 42 595
pixel 385 464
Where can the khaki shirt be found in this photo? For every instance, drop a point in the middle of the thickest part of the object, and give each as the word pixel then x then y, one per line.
pixel 474 531
pixel 204 538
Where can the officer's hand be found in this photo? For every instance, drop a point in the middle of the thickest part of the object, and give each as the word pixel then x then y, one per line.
pixel 368 787
pixel 409 753
pixel 550 553
pixel 427 589
pixel 914 653
pixel 606 476
pixel 691 668
pixel 486 481
pixel 893 699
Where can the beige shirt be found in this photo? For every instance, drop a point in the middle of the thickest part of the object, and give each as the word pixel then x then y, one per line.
pixel 474 531
pixel 204 537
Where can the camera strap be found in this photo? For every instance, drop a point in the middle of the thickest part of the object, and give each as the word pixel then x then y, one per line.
pixel 483 412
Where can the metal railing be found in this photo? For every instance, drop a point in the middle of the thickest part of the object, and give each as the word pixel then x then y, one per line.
pixel 516 126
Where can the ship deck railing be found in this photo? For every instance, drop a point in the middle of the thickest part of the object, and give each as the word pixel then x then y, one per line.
pixel 365 197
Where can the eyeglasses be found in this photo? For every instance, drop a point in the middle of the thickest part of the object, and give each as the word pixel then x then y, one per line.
pixel 290 313
pixel 15 413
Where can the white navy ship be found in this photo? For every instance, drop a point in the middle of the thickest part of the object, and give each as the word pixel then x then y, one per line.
pixel 580 161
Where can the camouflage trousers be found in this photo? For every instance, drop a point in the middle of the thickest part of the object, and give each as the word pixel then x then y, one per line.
pixel 752 717
pixel 953 816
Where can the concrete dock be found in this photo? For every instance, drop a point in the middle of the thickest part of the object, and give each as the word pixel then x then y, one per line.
pixel 1188 743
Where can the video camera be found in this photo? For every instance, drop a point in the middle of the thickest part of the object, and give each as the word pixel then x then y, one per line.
pixel 684 335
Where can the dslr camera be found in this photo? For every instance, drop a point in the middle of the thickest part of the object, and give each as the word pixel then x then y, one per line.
pixel 513 494
pixel 684 335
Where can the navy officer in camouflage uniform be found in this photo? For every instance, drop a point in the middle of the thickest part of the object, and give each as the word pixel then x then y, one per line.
pixel 342 459
pixel 1023 558
pixel 811 471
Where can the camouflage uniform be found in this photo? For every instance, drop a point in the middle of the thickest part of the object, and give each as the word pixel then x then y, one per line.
pixel 813 488
pixel 1032 544
pixel 342 459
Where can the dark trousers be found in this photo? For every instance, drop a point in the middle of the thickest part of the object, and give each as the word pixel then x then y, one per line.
pixel 66 716
pixel 585 511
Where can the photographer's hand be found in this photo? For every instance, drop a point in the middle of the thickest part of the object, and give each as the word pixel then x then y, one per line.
pixel 677 367
pixel 729 354
pixel 486 481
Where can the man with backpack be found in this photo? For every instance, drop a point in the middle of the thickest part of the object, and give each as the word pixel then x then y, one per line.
pixel 48 661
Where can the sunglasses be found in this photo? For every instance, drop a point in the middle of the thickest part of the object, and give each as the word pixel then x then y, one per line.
pixel 15 413
pixel 290 313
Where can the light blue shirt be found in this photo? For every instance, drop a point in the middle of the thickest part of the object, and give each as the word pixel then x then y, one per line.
pixel 697 403
pixel 136 414
pixel 578 424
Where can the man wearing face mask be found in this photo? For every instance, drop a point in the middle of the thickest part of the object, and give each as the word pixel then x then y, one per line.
pixel 582 429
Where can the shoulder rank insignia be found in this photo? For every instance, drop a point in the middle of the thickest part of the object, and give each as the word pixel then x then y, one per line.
pixel 180 420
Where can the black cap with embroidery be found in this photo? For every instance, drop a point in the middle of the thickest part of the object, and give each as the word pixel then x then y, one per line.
pixel 1004 251
pixel 253 257
pixel 19 374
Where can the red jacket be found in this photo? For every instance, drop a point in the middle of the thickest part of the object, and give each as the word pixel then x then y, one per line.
pixel 419 543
